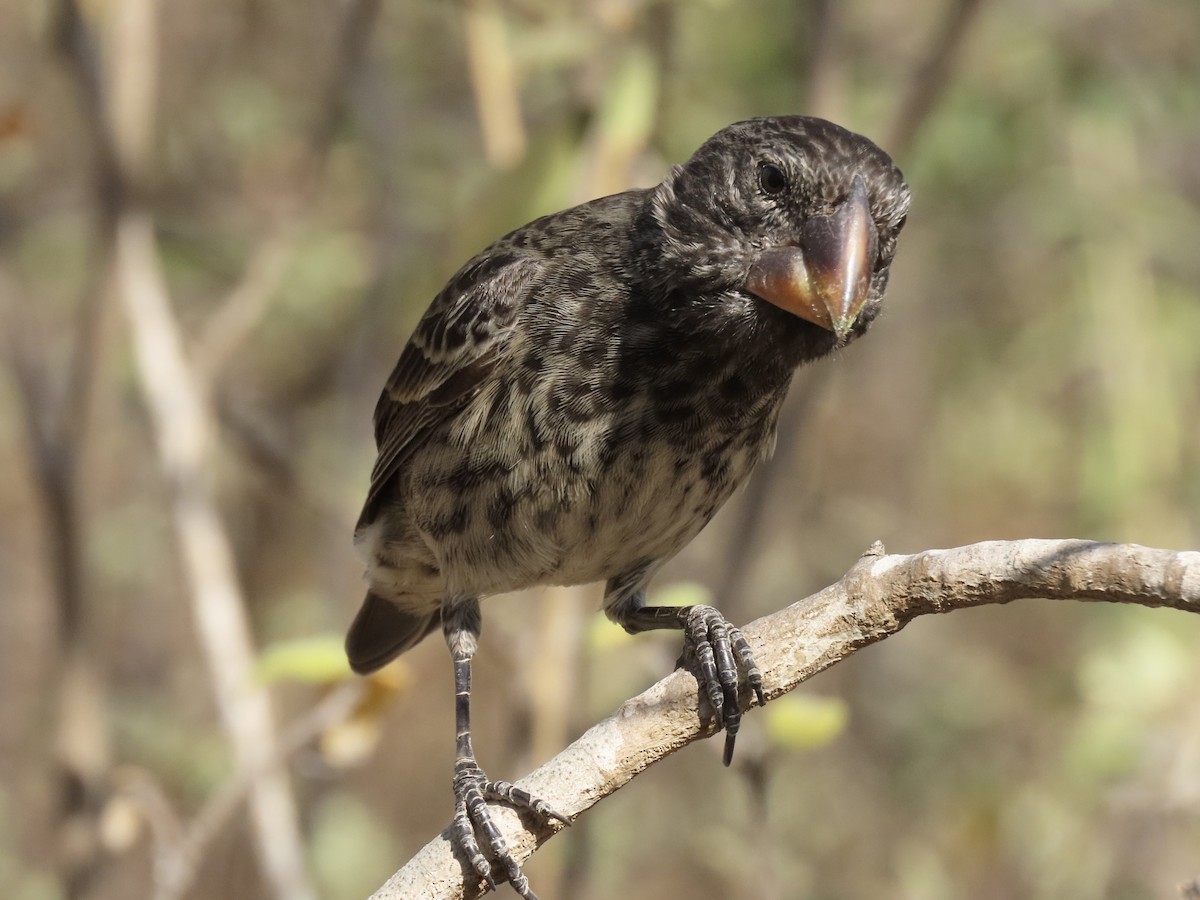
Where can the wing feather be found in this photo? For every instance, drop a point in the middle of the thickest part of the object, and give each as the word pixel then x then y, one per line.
pixel 464 333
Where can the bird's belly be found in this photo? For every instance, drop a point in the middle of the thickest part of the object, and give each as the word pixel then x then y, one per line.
pixel 569 514
pixel 647 510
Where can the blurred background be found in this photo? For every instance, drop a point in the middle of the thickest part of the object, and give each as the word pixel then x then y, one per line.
pixel 219 222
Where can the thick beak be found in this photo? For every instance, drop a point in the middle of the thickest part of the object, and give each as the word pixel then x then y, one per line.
pixel 825 276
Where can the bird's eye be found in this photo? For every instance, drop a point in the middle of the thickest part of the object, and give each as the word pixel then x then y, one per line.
pixel 771 179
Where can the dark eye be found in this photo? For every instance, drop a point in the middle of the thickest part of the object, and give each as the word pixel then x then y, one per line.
pixel 771 179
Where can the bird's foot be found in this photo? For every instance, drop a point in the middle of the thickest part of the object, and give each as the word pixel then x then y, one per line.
pixel 472 791
pixel 718 648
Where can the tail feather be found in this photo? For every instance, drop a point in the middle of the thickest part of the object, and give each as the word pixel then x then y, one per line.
pixel 382 631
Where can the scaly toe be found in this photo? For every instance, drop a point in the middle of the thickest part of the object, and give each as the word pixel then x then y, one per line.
pixel 472 817
pixel 719 649
pixel 515 796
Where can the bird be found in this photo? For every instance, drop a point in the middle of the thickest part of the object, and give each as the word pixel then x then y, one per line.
pixel 585 393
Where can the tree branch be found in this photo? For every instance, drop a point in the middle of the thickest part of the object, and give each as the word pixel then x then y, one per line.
pixel 932 77
pixel 178 846
pixel 494 83
pixel 184 430
pixel 244 305
pixel 876 598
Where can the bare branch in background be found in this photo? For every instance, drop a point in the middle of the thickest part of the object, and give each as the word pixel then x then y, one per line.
pixel 494 83
pixel 183 428
pixel 183 425
pixel 186 432
pixel 932 76
pixel 243 307
pixel 120 129
pixel 824 81
pixel 875 599
pixel 77 48
pixel 178 850
pixel 82 748
pixel 56 410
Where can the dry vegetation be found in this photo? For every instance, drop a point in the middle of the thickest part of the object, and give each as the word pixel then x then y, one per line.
pixel 219 221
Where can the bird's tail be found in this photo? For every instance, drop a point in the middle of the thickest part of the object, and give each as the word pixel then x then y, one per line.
pixel 382 631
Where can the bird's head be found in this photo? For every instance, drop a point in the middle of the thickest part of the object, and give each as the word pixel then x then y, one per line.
pixel 792 211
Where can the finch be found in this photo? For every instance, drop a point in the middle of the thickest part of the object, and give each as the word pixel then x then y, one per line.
pixel 586 392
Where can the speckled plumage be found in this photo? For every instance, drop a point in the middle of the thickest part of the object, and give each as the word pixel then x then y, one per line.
pixel 584 395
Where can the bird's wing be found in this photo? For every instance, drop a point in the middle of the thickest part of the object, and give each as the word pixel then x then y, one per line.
pixel 458 341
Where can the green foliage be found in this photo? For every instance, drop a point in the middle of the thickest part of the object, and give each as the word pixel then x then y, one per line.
pixel 349 842
pixel 804 722
pixel 316 659
pixel 188 757
pixel 625 115
pixel 682 593
pixel 250 114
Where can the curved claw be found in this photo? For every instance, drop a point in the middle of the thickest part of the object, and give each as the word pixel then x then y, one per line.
pixel 472 790
pixel 719 648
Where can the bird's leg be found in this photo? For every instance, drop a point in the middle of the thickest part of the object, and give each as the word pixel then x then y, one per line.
pixel 472 789
pixel 717 646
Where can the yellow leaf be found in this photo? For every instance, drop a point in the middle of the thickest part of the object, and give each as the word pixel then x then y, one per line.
pixel 319 659
pixel 803 722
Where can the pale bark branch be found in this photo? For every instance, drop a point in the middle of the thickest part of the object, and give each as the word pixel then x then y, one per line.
pixel 494 83
pixel 876 598
pixel 184 431
pixel 177 392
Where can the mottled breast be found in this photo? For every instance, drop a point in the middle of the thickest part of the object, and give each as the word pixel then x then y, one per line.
pixel 568 478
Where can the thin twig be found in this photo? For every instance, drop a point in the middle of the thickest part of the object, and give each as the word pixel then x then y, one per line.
pixel 242 308
pixel 246 302
pixel 179 849
pixel 875 599
pixel 932 76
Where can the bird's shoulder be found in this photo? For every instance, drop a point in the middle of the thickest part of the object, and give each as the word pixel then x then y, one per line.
pixel 472 316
